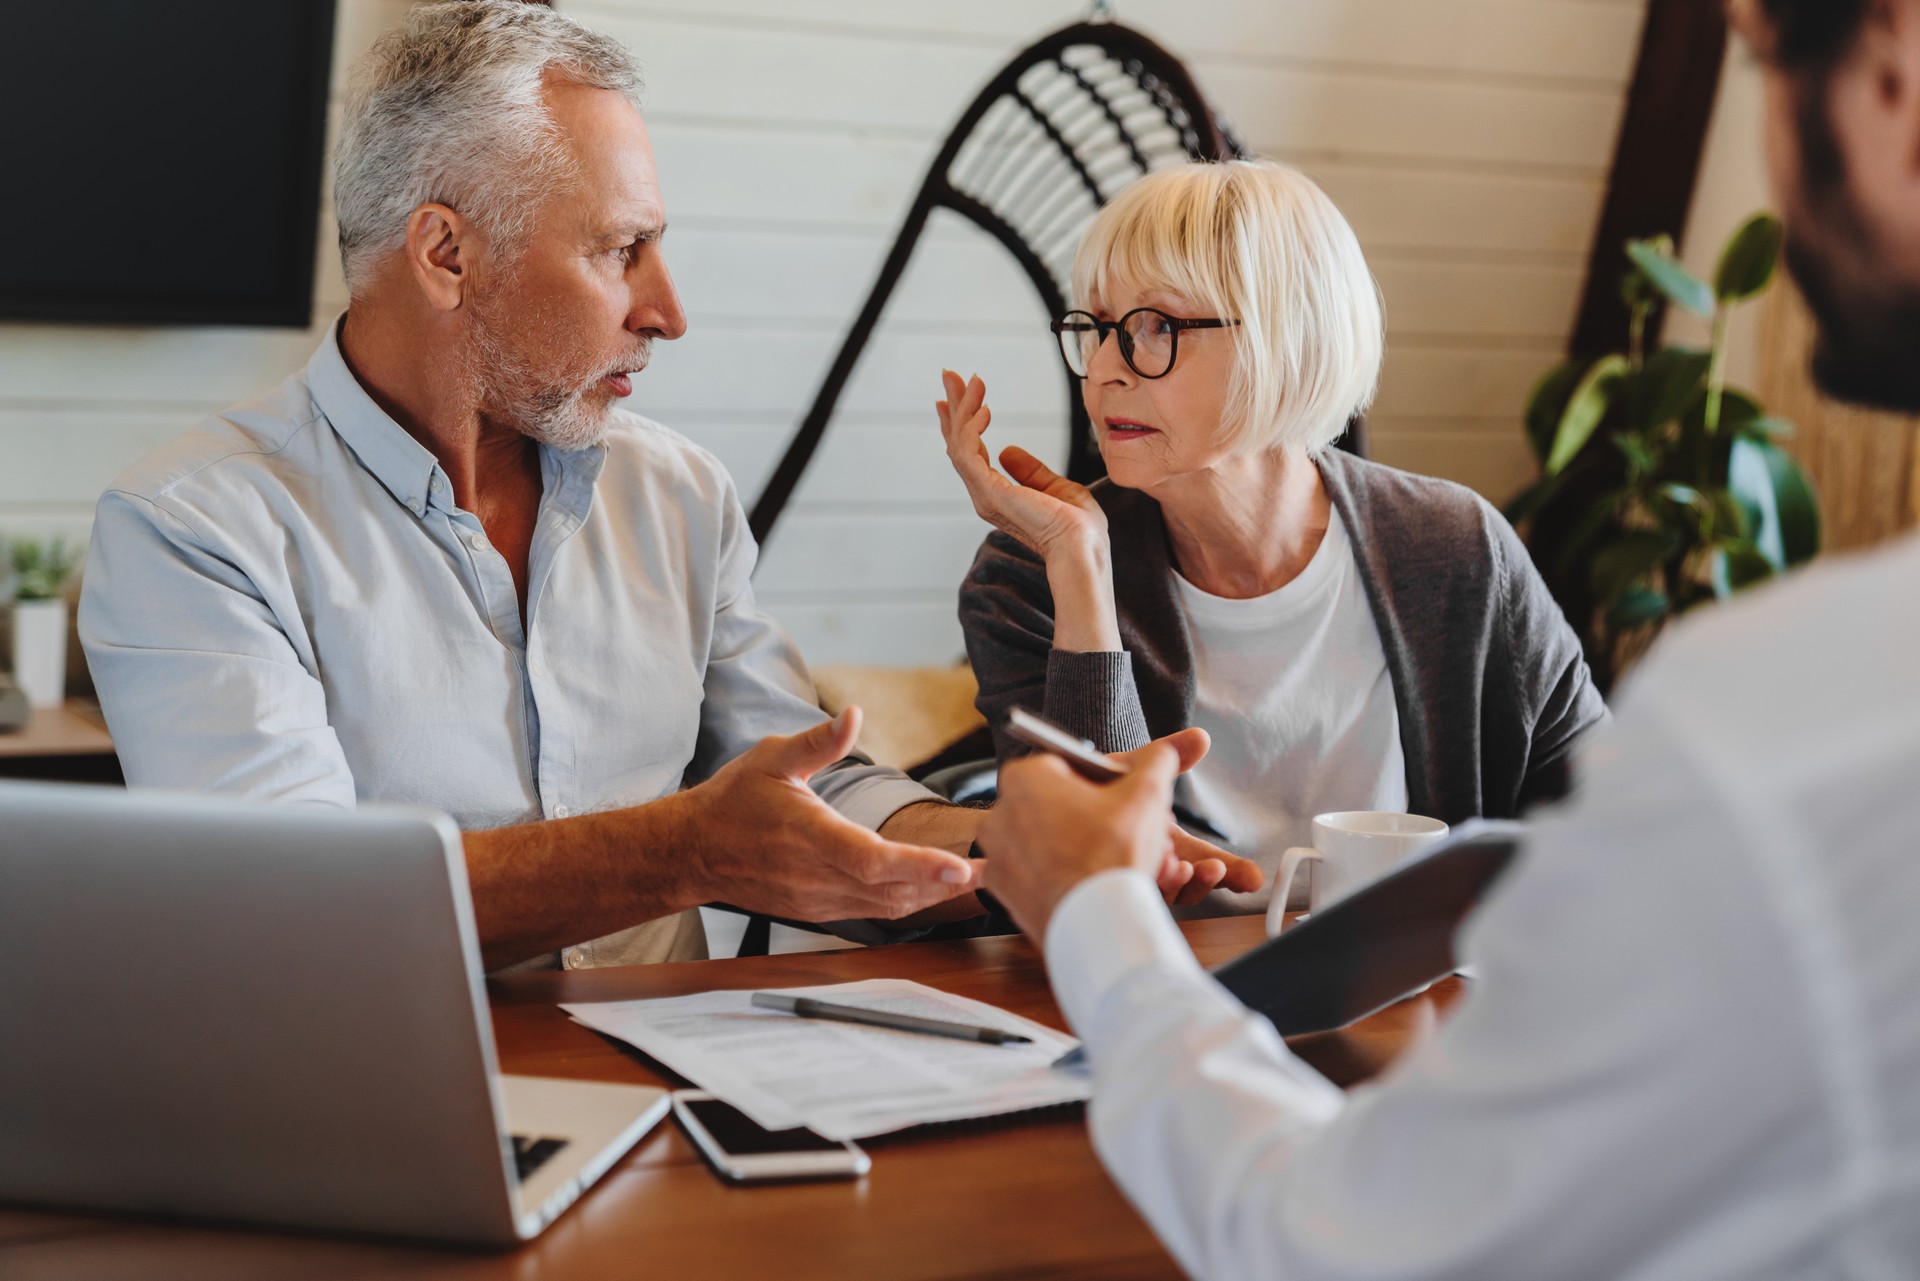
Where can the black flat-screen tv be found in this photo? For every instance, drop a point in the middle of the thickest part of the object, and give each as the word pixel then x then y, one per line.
pixel 160 160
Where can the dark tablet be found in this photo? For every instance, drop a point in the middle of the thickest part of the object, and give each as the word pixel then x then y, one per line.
pixel 1379 944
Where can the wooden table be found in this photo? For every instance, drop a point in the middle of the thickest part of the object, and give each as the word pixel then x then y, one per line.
pixel 1021 1199
pixel 65 742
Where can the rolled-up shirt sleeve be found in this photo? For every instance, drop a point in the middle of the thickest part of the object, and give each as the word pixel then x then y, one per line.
pixel 202 687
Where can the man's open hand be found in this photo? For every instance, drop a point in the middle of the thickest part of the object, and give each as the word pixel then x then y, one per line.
pixel 765 842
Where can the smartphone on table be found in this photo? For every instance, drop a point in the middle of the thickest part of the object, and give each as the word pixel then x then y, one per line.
pixel 742 1151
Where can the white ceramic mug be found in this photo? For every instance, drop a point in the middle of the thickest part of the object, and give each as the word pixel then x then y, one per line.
pixel 1352 849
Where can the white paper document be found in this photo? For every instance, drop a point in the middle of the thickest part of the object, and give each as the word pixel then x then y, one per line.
pixel 845 1080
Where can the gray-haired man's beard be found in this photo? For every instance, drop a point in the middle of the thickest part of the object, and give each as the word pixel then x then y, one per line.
pixel 562 419
pixel 570 417
pixel 1867 348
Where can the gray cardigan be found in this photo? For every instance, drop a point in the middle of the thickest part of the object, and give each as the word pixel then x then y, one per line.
pixel 1489 680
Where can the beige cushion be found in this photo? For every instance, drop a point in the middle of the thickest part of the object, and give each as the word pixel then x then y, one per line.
pixel 911 713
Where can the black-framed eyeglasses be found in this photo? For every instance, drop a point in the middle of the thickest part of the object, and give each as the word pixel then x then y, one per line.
pixel 1149 339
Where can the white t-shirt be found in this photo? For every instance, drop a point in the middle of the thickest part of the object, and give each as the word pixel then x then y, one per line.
pixel 1293 688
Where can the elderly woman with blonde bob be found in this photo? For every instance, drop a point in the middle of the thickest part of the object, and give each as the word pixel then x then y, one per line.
pixel 1351 637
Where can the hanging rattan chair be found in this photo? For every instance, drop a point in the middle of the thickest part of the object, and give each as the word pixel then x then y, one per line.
pixel 1055 135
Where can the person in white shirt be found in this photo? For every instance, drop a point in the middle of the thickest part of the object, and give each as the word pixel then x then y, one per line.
pixel 1692 1049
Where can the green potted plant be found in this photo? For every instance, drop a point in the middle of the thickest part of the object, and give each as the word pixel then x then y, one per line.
pixel 40 570
pixel 1661 487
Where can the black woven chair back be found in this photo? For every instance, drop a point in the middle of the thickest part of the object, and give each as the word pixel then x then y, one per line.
pixel 1058 133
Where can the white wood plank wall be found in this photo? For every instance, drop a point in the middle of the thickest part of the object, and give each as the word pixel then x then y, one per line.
pixel 1467 140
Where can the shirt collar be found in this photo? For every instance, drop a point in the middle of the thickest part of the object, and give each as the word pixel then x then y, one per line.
pixel 405 466
pixel 402 464
pixel 569 476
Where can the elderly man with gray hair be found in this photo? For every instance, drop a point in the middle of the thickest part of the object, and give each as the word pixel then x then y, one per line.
pixel 439 565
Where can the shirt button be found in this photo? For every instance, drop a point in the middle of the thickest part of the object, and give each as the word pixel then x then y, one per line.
pixel 537 667
pixel 576 959
pixel 477 542
pixel 434 484
pixel 561 811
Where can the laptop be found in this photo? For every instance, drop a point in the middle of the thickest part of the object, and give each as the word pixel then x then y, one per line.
pixel 269 1014
pixel 1378 945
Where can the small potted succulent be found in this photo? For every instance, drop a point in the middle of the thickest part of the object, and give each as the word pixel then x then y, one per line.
pixel 40 570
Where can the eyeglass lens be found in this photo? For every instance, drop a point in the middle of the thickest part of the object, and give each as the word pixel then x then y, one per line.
pixel 1147 341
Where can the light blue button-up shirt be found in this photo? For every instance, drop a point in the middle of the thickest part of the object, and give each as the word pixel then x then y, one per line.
pixel 286 603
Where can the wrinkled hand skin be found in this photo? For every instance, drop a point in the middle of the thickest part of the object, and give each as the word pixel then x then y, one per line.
pixel 774 846
pixel 1029 502
pixel 1052 829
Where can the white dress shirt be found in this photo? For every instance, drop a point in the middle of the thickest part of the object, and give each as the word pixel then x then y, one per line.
pixel 1693 1050
pixel 287 603
pixel 1293 690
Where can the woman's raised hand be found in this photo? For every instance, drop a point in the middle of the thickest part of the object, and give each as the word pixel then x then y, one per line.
pixel 1030 502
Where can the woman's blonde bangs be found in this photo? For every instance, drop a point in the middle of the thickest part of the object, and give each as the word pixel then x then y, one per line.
pixel 1150 238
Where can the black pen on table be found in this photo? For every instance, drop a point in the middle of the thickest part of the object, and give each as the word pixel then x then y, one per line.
pixel 809 1008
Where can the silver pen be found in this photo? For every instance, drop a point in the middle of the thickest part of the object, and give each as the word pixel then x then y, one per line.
pixel 809 1008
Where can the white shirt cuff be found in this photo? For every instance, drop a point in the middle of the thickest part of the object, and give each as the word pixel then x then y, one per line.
pixel 1109 926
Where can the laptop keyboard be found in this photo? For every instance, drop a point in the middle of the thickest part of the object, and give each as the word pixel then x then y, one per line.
pixel 530 1153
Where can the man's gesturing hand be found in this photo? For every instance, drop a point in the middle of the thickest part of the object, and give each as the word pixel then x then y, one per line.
pixel 767 843
pixel 1052 829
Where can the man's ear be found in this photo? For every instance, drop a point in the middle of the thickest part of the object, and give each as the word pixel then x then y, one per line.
pixel 1900 70
pixel 1887 57
pixel 1872 100
pixel 439 250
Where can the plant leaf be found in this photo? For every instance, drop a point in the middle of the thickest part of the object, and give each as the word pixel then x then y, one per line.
pixel 1736 516
pixel 1638 605
pixel 1521 507
pixel 1585 408
pixel 1626 561
pixel 40 569
pixel 1765 479
pixel 1690 505
pixel 1738 564
pixel 1548 403
pixel 1680 286
pixel 1596 518
pixel 1768 429
pixel 1637 291
pixel 1641 455
pixel 1665 384
pixel 1747 263
pixel 1738 412
pixel 1707 455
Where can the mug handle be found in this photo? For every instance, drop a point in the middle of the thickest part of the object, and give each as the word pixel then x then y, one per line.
pixel 1283 885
